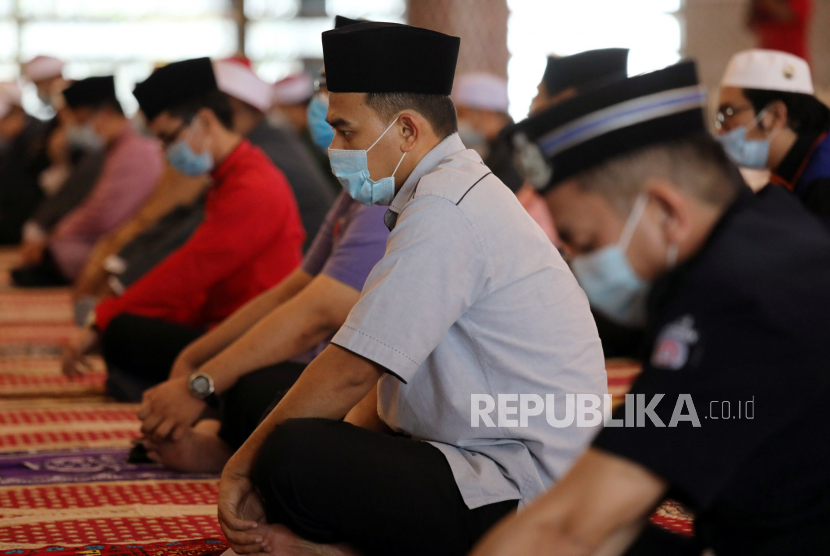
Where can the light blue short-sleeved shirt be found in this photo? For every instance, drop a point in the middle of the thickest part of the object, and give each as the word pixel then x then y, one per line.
pixel 471 298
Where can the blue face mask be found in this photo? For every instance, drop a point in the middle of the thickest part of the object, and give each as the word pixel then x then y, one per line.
pixel 84 137
pixel 352 169
pixel 612 286
pixel 321 132
pixel 748 153
pixel 181 157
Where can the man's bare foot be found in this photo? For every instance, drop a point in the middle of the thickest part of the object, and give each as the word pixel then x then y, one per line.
pixel 281 541
pixel 199 451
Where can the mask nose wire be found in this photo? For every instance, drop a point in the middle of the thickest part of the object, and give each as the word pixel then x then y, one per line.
pixel 633 219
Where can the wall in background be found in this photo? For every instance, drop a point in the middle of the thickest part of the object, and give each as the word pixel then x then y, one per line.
pixel 715 30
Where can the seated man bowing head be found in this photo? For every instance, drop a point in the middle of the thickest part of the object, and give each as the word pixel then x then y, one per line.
pixel 736 320
pixel 471 298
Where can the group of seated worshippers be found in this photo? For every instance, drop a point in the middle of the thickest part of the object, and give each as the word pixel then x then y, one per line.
pixel 87 184
pixel 430 377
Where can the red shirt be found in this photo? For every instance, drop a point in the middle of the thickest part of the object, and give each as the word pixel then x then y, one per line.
pixel 786 36
pixel 251 239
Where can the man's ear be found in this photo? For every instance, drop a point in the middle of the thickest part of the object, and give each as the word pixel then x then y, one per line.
pixel 208 119
pixel 677 219
pixel 411 129
pixel 776 116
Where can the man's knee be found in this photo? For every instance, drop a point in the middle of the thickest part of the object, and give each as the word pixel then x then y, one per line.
pixel 288 465
pixel 287 450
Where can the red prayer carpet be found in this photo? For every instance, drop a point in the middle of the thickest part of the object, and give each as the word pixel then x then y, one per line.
pixel 65 486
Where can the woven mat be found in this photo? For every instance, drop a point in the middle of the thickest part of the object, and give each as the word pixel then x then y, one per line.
pixel 65 486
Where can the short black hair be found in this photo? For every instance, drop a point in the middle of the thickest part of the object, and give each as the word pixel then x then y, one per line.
pixel 438 110
pixel 214 100
pixel 696 164
pixel 111 103
pixel 804 112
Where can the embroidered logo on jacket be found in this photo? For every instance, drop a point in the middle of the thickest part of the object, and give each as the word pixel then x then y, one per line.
pixel 671 350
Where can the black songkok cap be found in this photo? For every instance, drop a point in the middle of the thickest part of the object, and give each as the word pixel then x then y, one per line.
pixel 624 116
pixel 341 21
pixel 585 69
pixel 377 57
pixel 91 91
pixel 173 85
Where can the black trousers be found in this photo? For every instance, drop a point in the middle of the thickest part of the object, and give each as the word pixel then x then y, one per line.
pixel 140 351
pixel 330 481
pixel 42 275
pixel 252 398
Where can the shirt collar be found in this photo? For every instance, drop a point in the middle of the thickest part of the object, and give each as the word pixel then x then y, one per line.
pixel 431 160
pixel 220 173
pixel 791 167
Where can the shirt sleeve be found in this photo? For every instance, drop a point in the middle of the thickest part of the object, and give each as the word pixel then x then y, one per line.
pixel 434 269
pixel 320 249
pixel 360 248
pixel 746 381
pixel 249 215
pixel 125 182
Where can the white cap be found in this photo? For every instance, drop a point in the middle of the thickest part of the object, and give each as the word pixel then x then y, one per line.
pixel 40 68
pixel 481 90
pixel 10 95
pixel 236 79
pixel 294 89
pixel 769 70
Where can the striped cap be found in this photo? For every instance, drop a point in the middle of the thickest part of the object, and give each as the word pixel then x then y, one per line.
pixel 624 116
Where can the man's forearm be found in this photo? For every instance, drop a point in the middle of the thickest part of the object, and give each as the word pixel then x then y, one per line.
pixel 329 388
pixel 232 328
pixel 292 329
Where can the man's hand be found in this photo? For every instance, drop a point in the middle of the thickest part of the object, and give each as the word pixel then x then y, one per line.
pixel 240 507
pixel 31 252
pixel 74 358
pixel 598 508
pixel 168 409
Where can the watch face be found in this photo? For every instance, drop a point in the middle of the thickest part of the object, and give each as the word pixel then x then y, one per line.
pixel 200 385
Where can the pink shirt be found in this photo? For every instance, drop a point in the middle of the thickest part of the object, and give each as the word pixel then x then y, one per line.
pixel 132 166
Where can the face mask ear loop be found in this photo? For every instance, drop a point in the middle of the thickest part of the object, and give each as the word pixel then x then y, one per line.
pixel 381 135
pixel 671 255
pixel 633 219
pixel 399 165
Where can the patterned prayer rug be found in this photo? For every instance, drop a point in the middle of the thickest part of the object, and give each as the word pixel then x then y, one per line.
pixel 66 488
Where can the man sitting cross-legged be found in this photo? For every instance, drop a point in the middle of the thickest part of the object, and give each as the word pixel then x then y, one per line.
pixel 470 298
pixel 258 352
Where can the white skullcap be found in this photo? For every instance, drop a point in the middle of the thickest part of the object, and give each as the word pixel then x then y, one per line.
pixel 10 95
pixel 769 70
pixel 294 89
pixel 481 90
pixel 40 68
pixel 236 79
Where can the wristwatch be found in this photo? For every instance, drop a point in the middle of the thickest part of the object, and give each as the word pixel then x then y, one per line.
pixel 201 386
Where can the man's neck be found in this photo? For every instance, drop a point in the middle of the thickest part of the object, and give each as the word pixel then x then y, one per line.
pixel 784 141
pixel 224 143
pixel 114 127
pixel 412 159
pixel 247 122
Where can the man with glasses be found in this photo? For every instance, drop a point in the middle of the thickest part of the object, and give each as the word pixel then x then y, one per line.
pixel 250 239
pixel 769 119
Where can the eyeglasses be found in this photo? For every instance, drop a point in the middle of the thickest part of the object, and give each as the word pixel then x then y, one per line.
pixel 168 139
pixel 728 112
